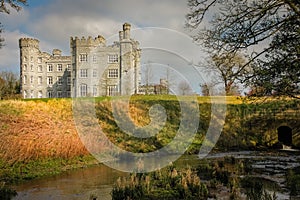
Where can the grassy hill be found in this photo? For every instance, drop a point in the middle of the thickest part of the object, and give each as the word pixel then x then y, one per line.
pixel 37 135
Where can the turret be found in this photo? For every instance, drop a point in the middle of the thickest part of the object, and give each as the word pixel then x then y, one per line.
pixel 126 30
pixel 56 52
pixel 121 35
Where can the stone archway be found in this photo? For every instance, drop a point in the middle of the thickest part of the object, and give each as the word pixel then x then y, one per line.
pixel 285 135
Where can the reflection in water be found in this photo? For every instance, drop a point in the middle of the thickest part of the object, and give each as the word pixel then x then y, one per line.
pixel 78 184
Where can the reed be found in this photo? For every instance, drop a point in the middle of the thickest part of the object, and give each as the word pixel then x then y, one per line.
pixel 35 130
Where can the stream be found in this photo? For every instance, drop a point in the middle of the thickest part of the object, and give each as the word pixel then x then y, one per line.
pixel 98 180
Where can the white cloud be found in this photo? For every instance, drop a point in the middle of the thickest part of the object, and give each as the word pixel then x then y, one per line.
pixel 55 23
pixel 9 53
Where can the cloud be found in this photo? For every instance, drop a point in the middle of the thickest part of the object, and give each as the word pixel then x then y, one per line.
pixel 9 53
pixel 15 19
pixel 54 23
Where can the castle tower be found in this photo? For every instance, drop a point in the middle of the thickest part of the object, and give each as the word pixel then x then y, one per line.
pixel 87 63
pixel 43 75
pixel 29 51
pixel 129 62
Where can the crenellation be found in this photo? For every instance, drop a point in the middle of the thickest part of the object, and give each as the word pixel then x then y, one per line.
pixel 97 41
pixel 29 42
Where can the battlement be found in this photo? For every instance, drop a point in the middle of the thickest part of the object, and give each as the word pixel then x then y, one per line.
pixel 29 42
pixel 87 41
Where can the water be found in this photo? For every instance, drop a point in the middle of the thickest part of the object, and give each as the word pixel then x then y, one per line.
pixel 77 184
pixel 270 167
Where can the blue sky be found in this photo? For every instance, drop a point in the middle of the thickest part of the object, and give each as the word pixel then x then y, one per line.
pixel 156 24
pixel 35 3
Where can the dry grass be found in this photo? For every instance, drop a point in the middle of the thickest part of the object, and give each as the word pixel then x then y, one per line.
pixel 37 130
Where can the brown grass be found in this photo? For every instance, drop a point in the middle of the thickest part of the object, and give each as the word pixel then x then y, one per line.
pixel 37 130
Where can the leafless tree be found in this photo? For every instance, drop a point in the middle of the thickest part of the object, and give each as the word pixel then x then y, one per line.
pixel 184 88
pixel 227 70
pixel 270 28
pixel 9 85
pixel 148 76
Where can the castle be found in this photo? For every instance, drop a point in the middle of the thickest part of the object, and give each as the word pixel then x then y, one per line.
pixel 93 69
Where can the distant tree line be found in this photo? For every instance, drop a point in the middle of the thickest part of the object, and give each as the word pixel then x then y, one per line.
pixel 9 85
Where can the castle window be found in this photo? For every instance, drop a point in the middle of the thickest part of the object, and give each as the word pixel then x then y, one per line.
pixel 112 90
pixel 31 59
pixel 114 58
pixel 39 60
pixel 25 59
pixel 94 58
pixel 31 67
pixel 83 73
pixel 31 79
pixel 69 80
pixel 95 91
pixel 40 80
pixel 25 94
pixel 94 73
pixel 25 67
pixel 50 94
pixel 25 80
pixel 83 57
pixel 59 94
pixel 50 68
pixel 113 73
pixel 68 93
pixel 40 94
pixel 49 80
pixel 40 68
pixel 31 94
pixel 83 90
pixel 59 80
pixel 59 67
pixel 68 67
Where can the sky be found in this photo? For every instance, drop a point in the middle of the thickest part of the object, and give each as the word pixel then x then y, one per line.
pixel 156 24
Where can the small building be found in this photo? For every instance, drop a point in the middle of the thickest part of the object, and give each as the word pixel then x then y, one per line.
pixel 161 88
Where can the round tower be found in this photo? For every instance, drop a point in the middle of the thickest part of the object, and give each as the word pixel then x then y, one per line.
pixel 29 53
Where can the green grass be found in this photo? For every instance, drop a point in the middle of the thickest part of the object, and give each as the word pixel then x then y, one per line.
pixel 33 169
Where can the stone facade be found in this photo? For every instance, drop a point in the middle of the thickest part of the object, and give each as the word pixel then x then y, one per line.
pixel 93 69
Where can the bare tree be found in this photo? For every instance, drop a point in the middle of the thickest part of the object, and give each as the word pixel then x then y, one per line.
pixel 148 76
pixel 227 70
pixel 184 88
pixel 270 28
pixel 9 85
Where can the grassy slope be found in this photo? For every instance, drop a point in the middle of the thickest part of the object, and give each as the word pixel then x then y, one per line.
pixel 38 137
